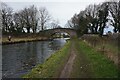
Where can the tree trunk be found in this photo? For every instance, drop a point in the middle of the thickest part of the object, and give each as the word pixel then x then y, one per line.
pixel 42 27
pixel 28 29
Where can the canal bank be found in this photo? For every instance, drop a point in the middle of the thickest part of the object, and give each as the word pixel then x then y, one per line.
pixel 52 67
pixel 14 40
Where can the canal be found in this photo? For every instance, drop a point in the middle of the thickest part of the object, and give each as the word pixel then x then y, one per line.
pixel 20 58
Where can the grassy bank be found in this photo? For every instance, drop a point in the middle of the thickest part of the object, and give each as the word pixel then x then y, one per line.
pixel 108 45
pixel 22 39
pixel 52 66
pixel 92 64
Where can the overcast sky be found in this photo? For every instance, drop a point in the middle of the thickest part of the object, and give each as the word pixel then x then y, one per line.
pixel 61 10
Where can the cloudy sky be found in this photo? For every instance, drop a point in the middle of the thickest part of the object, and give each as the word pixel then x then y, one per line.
pixel 61 10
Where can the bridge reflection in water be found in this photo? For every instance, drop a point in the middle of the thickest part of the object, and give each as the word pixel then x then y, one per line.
pixel 20 58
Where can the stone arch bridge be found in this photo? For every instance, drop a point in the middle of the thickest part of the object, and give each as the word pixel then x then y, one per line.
pixel 50 32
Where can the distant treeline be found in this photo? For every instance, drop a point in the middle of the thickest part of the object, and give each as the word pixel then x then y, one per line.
pixel 27 20
pixel 93 19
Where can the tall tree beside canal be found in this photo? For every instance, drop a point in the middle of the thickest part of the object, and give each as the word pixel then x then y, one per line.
pixel 14 22
pixel 102 17
pixel 7 22
pixel 34 18
pixel 18 22
pixel 119 16
pixel 115 11
pixel 44 17
pixel 30 18
pixel 91 13
pixel 94 18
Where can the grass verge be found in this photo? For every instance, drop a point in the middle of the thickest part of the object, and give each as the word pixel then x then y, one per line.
pixel 90 63
pixel 108 45
pixel 101 65
pixel 51 68
pixel 23 39
pixel 81 67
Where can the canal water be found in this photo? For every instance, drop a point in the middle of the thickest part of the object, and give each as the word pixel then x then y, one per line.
pixel 20 58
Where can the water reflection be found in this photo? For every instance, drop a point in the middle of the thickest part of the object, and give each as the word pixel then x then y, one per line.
pixel 56 43
pixel 18 59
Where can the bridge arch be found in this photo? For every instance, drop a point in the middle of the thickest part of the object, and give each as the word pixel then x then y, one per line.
pixel 53 34
pixel 71 32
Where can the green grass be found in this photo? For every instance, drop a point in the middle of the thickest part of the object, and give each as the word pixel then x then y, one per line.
pixel 101 65
pixel 108 45
pixel 80 70
pixel 112 48
pixel 52 66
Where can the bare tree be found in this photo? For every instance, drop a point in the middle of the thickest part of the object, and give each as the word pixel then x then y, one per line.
pixel 119 16
pixel 54 24
pixel 91 15
pixel 114 9
pixel 69 24
pixel 34 18
pixel 29 18
pixel 18 22
pixel 6 13
pixel 44 17
pixel 26 18
pixel 0 21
